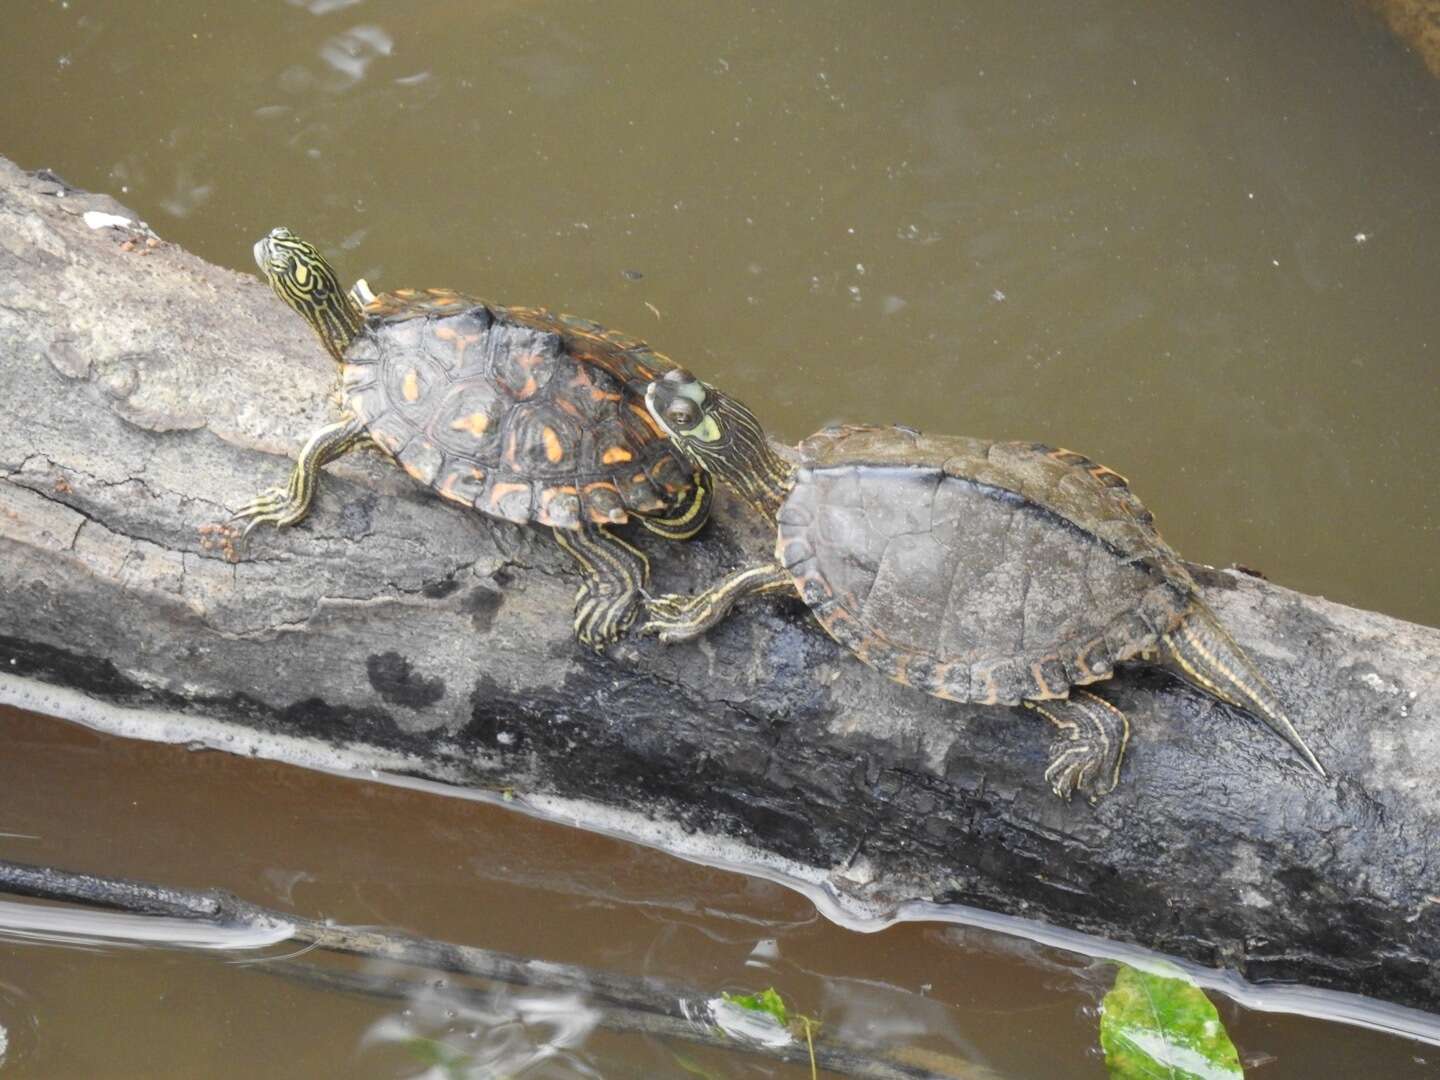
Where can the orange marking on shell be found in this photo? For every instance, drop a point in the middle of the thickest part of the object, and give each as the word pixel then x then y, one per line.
pixel 499 491
pixel 1037 672
pixel 615 455
pixel 644 414
pixel 459 340
pixel 566 406
pixel 615 513
pixel 477 423
pixel 554 452
pixel 447 490
pixel 415 472
pixel 992 692
pixel 943 676
pixel 410 388
pixel 528 390
pixel 549 495
pixel 530 360
pixel 583 381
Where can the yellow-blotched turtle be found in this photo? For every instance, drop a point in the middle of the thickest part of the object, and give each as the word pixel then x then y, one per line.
pixel 518 413
pixel 1000 573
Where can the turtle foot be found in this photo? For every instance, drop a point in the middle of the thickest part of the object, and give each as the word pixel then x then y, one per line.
pixel 603 614
pixel 1088 754
pixel 278 506
pixel 674 617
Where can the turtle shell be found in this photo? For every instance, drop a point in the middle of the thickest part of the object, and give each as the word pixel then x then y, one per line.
pixel 991 572
pixel 519 413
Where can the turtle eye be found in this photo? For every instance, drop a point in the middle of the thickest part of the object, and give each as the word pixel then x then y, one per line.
pixel 682 413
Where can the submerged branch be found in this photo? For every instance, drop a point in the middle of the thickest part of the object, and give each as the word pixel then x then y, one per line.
pixel 632 1005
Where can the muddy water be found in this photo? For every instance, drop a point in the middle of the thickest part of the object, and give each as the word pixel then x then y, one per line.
pixel 1197 242
pixel 368 854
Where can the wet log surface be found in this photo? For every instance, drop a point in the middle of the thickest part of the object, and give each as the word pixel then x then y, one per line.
pixel 143 392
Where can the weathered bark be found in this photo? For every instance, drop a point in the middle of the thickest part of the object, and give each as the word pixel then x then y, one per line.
pixel 142 392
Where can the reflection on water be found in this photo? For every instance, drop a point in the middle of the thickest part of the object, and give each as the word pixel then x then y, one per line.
pixel 435 866
pixel 537 1036
pixel 40 924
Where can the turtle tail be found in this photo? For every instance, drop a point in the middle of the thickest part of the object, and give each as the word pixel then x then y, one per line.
pixel 1202 653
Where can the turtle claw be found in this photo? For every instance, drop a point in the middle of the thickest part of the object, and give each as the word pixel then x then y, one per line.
pixel 1087 755
pixel 276 506
pixel 1072 767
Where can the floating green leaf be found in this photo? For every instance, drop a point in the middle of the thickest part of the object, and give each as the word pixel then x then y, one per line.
pixel 693 1067
pixel 767 1001
pixel 1154 1027
pixel 437 1055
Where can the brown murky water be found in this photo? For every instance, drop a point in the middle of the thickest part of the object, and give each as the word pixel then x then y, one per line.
pixel 1200 243
pixel 370 854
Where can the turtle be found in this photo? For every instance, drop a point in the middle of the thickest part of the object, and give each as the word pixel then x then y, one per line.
pixel 997 573
pixel 519 413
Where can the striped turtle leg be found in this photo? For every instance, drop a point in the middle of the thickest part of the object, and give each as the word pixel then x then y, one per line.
pixel 290 502
pixel 615 575
pixel 1091 746
pixel 687 519
pixel 1201 652
pixel 674 617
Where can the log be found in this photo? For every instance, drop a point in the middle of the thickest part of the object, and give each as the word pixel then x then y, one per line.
pixel 143 392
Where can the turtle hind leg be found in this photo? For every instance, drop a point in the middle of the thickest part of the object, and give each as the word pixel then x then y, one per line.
pixel 675 617
pixel 615 573
pixel 290 502
pixel 1202 653
pixel 1091 747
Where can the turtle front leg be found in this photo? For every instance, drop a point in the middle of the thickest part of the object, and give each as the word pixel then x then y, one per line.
pixel 1088 754
pixel 615 575
pixel 674 617
pixel 290 502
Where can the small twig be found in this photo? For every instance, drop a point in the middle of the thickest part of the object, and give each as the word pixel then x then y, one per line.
pixel 839 1059
pixel 628 1004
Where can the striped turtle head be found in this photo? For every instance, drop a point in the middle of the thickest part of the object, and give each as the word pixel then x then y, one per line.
pixel 720 436
pixel 302 278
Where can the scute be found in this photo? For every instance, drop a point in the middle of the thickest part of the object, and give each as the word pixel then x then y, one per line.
pixel 1049 571
pixel 522 414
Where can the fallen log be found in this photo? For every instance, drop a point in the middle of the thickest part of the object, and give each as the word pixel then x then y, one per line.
pixel 144 392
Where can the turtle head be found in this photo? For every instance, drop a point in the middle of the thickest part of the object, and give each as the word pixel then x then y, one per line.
pixel 720 436
pixel 302 278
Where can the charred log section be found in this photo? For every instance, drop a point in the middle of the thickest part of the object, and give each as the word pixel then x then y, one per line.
pixel 143 392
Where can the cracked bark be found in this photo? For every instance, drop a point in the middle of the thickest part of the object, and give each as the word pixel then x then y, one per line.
pixel 143 391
